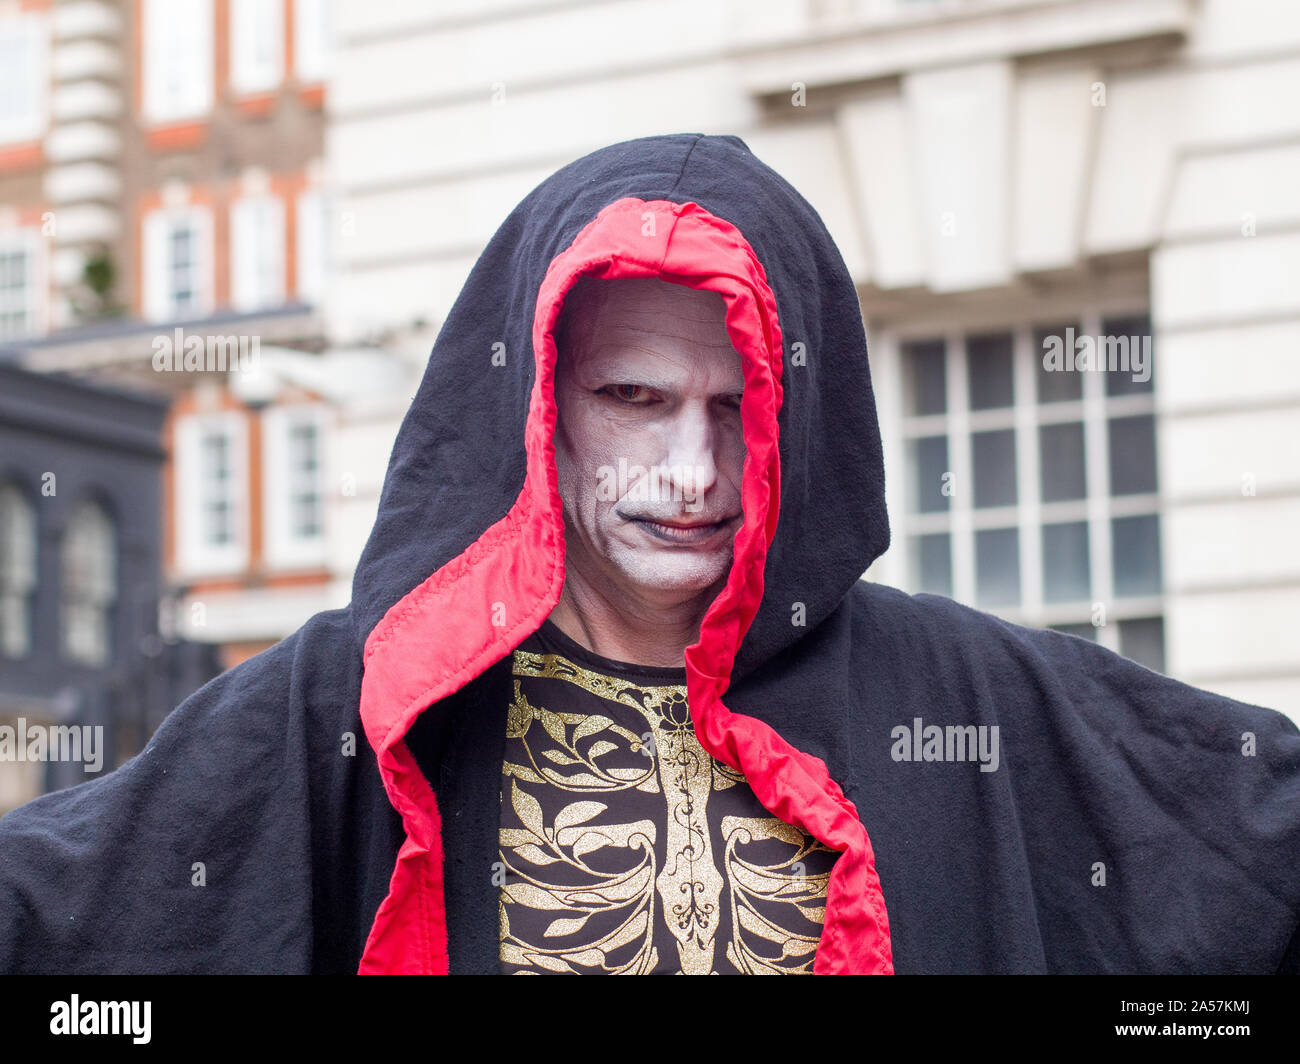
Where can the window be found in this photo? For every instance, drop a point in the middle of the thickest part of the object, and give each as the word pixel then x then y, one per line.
pixel 20 284
pixel 312 251
pixel 217 508
pixel 1030 486
pixel 256 45
pixel 211 479
pixel 294 485
pixel 178 264
pixel 304 494
pixel 17 571
pixel 177 59
pixel 24 75
pixel 257 253
pixel 89 588
pixel 311 33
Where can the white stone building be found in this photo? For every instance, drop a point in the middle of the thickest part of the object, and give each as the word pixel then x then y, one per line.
pixel 996 172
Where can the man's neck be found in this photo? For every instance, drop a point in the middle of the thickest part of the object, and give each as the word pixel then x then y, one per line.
pixel 635 631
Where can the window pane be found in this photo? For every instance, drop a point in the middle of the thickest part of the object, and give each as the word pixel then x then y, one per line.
pixel 1132 455
pixel 218 524
pixel 16 293
pixel 257 38
pixel 1127 344
pixel 312 227
pixel 302 442
pixel 927 381
pixel 306 522
pixel 312 30
pixel 1061 462
pixel 1083 631
pixel 1057 386
pixel 302 479
pixel 184 294
pixel 89 584
pixel 257 253
pixel 1066 570
pixel 24 53
pixel 994 458
pixel 997 567
pixel 17 570
pixel 1143 640
pixel 927 462
pixel 988 369
pixel 13 277
pixel 178 56
pixel 1135 549
pixel 932 563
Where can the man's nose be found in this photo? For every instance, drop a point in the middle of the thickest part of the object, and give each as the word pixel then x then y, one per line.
pixel 690 458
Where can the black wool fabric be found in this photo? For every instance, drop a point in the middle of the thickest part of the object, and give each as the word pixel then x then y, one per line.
pixel 1123 830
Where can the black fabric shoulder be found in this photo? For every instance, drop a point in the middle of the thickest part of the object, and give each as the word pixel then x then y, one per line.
pixel 1156 825
pixel 211 850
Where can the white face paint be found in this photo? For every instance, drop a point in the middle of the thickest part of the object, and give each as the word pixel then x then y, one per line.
pixel 649 446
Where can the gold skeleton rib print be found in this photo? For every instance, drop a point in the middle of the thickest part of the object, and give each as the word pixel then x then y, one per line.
pixel 627 849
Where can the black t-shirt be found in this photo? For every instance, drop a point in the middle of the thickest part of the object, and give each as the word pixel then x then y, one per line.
pixel 626 847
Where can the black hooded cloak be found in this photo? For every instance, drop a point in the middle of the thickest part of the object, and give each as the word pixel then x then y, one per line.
pixel 1124 828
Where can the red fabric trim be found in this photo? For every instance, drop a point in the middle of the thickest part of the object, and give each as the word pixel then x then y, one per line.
pixel 413 659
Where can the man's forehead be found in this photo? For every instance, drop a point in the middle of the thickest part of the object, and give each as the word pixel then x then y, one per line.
pixel 617 320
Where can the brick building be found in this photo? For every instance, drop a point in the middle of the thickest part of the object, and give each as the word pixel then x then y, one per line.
pixel 161 175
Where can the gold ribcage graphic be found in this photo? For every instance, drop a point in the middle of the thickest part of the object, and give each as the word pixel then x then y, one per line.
pixel 599 878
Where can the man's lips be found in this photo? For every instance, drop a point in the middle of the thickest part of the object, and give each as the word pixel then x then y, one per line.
pixel 677 531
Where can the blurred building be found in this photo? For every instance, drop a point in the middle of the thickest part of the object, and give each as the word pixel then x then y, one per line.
pixel 310 181
pixel 277 477
pixel 160 159
pixel 165 227
pixel 81 576
pixel 1004 178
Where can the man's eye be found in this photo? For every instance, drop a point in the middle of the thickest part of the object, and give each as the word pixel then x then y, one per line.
pixel 636 394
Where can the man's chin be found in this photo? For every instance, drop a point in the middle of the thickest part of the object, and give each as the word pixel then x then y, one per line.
pixel 672 570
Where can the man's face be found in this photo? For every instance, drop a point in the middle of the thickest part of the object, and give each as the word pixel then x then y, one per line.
pixel 649 447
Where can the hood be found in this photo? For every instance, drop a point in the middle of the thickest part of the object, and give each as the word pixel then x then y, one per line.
pixel 466 558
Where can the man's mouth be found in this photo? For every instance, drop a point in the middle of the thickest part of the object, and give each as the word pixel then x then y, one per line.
pixel 685 531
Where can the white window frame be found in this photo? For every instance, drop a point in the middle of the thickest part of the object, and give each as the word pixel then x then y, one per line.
pixel 312 251
pixel 177 65
pixel 256 45
pixel 31 31
pixel 962 519
pixel 312 26
pixel 196 556
pixel 284 548
pixel 257 243
pixel 159 295
pixel 29 241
